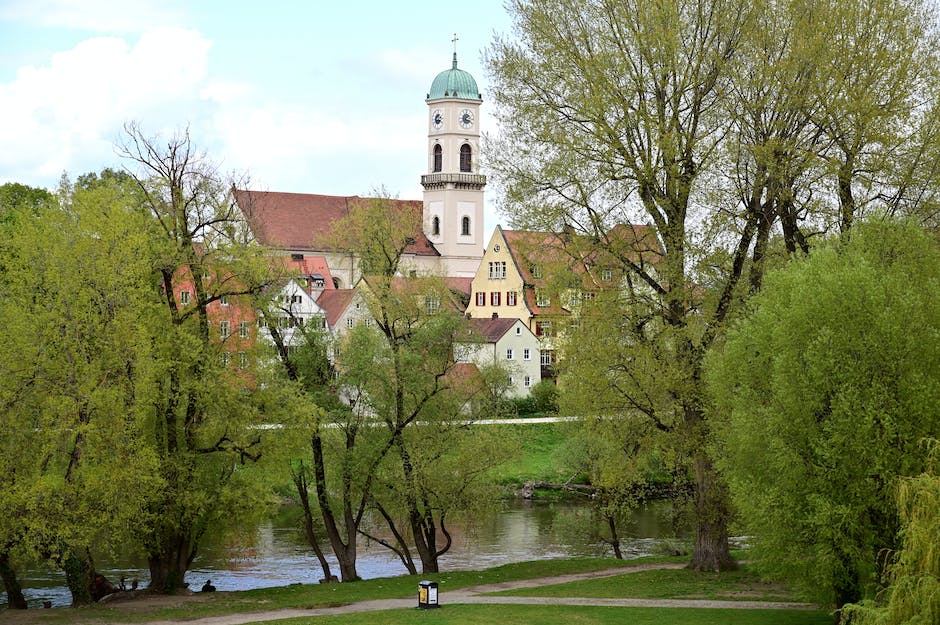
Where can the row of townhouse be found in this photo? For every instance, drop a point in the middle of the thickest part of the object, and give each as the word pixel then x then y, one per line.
pixel 516 307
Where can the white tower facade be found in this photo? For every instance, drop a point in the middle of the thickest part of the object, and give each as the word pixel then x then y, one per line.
pixel 453 186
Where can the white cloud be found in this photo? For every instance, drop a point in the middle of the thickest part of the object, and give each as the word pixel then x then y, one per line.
pixel 113 16
pixel 67 114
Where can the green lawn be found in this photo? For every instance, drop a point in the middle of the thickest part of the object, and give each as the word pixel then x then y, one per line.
pixel 666 584
pixel 568 615
pixel 540 457
pixel 673 583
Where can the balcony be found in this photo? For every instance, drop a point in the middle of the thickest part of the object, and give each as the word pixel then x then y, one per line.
pixel 458 181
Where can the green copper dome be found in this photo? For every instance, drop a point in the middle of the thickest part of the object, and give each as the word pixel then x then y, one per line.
pixel 454 83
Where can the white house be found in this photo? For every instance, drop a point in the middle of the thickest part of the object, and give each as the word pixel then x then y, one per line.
pixel 507 343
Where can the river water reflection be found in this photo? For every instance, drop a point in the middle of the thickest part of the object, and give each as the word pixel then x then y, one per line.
pixel 278 554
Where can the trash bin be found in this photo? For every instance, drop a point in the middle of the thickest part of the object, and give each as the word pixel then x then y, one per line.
pixel 427 595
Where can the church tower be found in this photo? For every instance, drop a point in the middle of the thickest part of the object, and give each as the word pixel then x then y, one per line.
pixel 453 186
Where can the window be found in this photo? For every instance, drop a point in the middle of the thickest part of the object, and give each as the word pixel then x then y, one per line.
pixel 243 329
pixel 542 298
pixel 526 355
pixel 224 329
pixel 465 226
pixel 518 331
pixel 223 357
pixel 242 359
pixel 223 300
pixel 510 298
pixel 432 303
pixel 369 322
pixel 296 298
pixel 465 159
pixel 512 380
pixel 350 322
pixel 184 298
pixel 438 159
pixel 546 357
pixel 509 354
pixel 607 274
pixel 436 226
pixel 537 271
pixel 318 282
pixel 528 381
pixel 481 298
pixel 497 270
pixel 543 328
pixel 494 298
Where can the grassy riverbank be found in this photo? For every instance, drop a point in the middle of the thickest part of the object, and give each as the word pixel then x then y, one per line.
pixel 666 584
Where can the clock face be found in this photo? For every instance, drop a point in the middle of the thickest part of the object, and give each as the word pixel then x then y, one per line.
pixel 466 118
pixel 437 119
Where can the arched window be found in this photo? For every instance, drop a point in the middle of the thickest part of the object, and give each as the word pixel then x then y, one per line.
pixel 438 158
pixel 465 226
pixel 465 160
pixel 436 226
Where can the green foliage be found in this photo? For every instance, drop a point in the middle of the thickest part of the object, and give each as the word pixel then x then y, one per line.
pixel 913 594
pixel 541 400
pixel 824 393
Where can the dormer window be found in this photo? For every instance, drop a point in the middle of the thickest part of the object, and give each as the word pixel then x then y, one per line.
pixel 438 159
pixel 465 158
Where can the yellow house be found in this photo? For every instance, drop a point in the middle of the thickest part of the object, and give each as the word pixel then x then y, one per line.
pixel 539 277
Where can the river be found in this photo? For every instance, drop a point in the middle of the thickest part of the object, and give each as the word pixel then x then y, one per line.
pixel 275 554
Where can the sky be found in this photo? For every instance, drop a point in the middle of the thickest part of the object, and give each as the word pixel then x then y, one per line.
pixel 306 96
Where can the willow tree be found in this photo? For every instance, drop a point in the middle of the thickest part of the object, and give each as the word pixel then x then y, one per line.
pixel 74 290
pixel 913 594
pixel 826 390
pixel 201 413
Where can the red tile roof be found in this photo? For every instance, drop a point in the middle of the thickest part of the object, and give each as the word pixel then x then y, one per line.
pixel 334 302
pixel 529 249
pixel 302 221
pixel 308 266
pixel 460 285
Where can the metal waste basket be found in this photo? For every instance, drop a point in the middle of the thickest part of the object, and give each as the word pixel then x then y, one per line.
pixel 427 595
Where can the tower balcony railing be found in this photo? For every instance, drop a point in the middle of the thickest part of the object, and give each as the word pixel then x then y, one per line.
pixel 459 180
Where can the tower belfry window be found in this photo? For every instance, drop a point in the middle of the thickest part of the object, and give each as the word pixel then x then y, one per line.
pixel 438 158
pixel 436 226
pixel 465 158
pixel 465 226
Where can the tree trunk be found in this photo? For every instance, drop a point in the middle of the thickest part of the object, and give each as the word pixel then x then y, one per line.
pixel 345 551
pixel 712 552
pixel 168 568
pixel 300 481
pixel 15 598
pixel 79 577
pixel 614 536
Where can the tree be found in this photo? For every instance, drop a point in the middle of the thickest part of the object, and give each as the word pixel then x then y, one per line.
pixel 618 105
pixel 391 374
pixel 74 289
pixel 200 435
pixel 822 395
pixel 913 594
pixel 706 120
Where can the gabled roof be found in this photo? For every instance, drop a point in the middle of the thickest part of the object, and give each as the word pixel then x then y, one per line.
pixel 529 249
pixel 302 221
pixel 311 266
pixel 334 303
pixel 491 330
